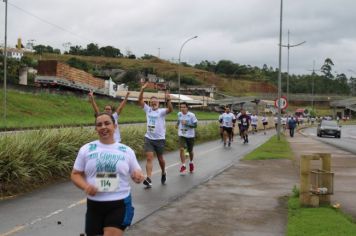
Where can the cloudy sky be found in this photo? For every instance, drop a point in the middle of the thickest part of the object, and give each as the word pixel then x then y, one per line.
pixel 243 31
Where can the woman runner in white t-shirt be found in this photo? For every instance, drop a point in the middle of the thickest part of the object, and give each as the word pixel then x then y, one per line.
pixel 109 109
pixel 103 169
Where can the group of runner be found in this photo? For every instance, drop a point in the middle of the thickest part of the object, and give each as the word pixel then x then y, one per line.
pixel 103 167
pixel 227 125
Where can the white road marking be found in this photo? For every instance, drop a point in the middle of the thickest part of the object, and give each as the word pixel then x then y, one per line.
pixel 82 201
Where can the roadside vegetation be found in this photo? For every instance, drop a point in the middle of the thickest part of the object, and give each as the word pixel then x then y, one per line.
pixel 321 221
pixel 34 110
pixel 35 158
pixel 272 149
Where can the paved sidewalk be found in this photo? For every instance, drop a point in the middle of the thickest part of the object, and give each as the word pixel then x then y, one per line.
pixel 249 198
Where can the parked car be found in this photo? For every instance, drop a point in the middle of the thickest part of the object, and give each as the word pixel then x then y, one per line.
pixel 330 128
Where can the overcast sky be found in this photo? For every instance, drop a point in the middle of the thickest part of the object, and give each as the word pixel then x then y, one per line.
pixel 243 31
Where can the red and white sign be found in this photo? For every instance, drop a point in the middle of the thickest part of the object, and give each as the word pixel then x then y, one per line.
pixel 282 102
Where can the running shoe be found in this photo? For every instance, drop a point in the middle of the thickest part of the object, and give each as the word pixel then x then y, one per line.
pixel 147 182
pixel 182 170
pixel 164 178
pixel 191 167
pixel 229 144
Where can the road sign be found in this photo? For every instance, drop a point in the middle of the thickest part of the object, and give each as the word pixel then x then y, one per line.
pixel 283 102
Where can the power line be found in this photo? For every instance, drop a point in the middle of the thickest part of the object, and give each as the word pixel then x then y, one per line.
pixel 45 21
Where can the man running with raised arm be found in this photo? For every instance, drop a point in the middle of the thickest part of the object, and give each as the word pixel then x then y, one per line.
pixel 228 123
pixel 155 139
pixel 186 124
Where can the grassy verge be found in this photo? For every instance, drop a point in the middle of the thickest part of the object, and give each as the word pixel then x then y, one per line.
pixel 321 221
pixel 27 110
pixel 35 158
pixel 272 149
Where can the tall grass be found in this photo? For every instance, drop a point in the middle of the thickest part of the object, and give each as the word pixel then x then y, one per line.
pixel 38 157
pixel 35 158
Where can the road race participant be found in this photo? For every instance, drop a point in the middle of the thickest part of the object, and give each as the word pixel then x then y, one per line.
pixel 275 119
pixel 155 137
pixel 228 123
pixel 221 129
pixel 292 123
pixel 239 123
pixel 109 109
pixel 284 123
pixel 103 169
pixel 245 124
pixel 254 122
pixel 264 122
pixel 186 124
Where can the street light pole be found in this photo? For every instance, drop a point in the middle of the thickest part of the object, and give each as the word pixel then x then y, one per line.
pixel 5 62
pixel 289 46
pixel 279 73
pixel 180 52
pixel 313 86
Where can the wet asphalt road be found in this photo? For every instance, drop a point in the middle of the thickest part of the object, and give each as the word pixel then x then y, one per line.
pixel 346 142
pixel 59 210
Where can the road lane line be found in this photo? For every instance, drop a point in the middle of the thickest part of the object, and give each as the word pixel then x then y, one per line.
pixel 82 201
pixel 14 230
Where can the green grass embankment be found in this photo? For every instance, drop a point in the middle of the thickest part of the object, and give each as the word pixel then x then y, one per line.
pixel 28 110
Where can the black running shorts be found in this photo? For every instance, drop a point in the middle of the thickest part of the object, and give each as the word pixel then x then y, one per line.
pixel 117 214
pixel 227 129
pixel 186 142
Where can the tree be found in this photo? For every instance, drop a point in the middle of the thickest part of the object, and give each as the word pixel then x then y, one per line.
pixel 76 50
pixel 327 67
pixel 225 67
pixel 206 65
pixel 109 51
pixel 92 50
pixel 147 57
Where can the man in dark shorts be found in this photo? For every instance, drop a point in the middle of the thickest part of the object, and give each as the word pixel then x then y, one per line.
pixel 227 120
pixel 186 124
pixel 245 124
pixel 155 136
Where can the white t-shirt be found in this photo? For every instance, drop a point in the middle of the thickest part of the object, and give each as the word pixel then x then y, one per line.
pixel 227 119
pixel 117 136
pixel 264 119
pixel 185 130
pixel 156 122
pixel 284 120
pixel 276 120
pixel 254 120
pixel 96 157
pixel 237 118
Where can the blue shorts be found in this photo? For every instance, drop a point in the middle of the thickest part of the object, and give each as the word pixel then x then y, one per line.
pixel 117 214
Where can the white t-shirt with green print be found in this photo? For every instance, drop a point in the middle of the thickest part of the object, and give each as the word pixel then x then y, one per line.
pixel 108 167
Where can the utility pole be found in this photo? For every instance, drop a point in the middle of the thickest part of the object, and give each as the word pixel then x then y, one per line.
pixel 279 73
pixel 290 46
pixel 5 63
pixel 313 78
